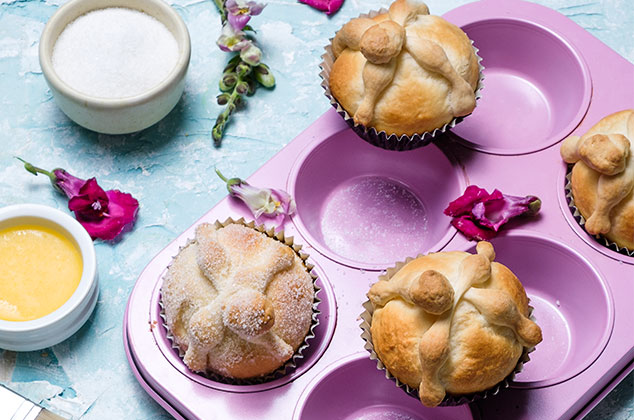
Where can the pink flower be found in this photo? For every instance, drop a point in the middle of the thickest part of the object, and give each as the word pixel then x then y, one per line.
pixel 479 215
pixel 239 12
pixel 104 214
pixel 328 6
pixel 231 40
pixel 269 202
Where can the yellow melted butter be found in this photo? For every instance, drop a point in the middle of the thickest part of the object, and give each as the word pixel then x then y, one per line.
pixel 40 269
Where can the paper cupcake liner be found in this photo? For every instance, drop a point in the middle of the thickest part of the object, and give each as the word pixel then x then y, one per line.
pixel 582 221
pixel 298 355
pixel 381 138
pixel 449 400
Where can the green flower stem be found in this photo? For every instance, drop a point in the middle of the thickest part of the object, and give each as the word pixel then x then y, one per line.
pixel 223 118
pixel 230 182
pixel 35 170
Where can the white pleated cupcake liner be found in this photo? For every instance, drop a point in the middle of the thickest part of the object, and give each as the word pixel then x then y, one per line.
pixel 582 221
pixel 292 363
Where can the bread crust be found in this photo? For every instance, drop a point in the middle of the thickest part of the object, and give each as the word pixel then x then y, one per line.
pixel 488 326
pixel 603 177
pixel 237 302
pixel 421 94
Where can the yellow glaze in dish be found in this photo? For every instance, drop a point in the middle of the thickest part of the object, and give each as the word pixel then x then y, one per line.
pixel 40 269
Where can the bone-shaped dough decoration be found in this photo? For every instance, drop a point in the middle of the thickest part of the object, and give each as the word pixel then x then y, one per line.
pixel 606 149
pixel 239 264
pixel 442 297
pixel 381 42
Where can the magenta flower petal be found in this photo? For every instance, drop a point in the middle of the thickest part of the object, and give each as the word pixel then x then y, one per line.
pixel 122 211
pixel 69 184
pixel 239 12
pixel 464 204
pixel 90 203
pixel 104 214
pixel 471 230
pixel 239 21
pixel 480 215
pixel 499 208
pixel 328 6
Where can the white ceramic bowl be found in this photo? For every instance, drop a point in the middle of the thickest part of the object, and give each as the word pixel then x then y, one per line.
pixel 125 115
pixel 67 319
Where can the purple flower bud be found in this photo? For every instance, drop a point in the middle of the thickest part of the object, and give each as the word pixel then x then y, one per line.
pixel 239 12
pixel 251 55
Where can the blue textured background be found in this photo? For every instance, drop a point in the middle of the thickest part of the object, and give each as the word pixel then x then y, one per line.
pixel 169 169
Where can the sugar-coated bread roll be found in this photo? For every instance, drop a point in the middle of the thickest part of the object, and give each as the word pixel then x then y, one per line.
pixel 237 302
pixel 603 177
pixel 404 72
pixel 464 346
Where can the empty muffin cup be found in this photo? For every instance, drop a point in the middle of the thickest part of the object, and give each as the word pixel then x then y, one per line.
pixel 572 303
pixel 538 86
pixel 303 358
pixel 370 210
pixel 352 388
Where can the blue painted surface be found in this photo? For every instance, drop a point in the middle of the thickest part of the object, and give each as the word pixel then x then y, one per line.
pixel 169 169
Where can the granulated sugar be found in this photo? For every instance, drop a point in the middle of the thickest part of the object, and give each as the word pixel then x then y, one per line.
pixel 114 53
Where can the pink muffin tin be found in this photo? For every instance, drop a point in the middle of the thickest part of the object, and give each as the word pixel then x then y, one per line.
pixel 360 209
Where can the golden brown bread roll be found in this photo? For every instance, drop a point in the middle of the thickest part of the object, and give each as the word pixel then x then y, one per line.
pixel 405 71
pixel 237 302
pixel 603 177
pixel 466 346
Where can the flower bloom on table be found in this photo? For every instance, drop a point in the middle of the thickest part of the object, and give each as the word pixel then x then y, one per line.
pixel 233 38
pixel 239 12
pixel 480 215
pixel 269 202
pixel 104 214
pixel 328 6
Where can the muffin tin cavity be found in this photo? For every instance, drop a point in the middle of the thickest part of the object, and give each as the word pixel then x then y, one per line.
pixel 561 285
pixel 342 391
pixel 316 346
pixel 536 88
pixel 366 207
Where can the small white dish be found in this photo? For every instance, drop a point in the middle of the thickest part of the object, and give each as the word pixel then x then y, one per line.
pixel 67 319
pixel 116 115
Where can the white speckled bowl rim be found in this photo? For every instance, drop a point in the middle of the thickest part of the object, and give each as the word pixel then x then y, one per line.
pixel 381 138
pixel 582 221
pixel 298 355
pixel 449 400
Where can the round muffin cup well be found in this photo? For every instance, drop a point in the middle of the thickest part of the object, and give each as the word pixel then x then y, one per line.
pixel 298 355
pixel 582 221
pixel 381 138
pixel 449 400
